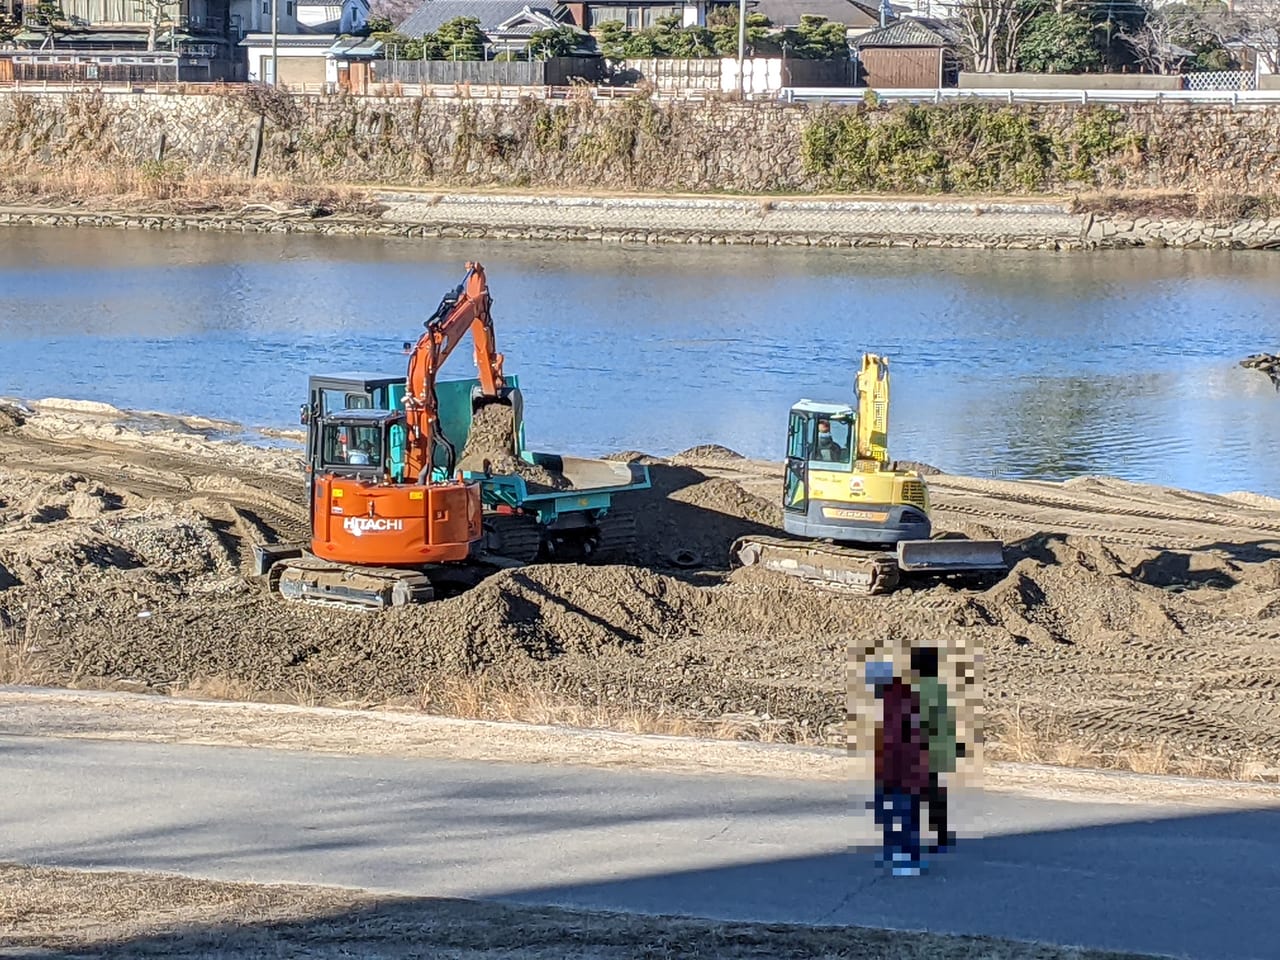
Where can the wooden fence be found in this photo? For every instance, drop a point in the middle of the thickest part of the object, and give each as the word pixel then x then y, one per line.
pixel 554 72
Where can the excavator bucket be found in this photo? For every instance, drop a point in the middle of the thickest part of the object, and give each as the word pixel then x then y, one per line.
pixel 947 555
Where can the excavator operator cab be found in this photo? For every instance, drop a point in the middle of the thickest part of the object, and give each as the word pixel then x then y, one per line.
pixel 365 443
pixel 820 439
pixel 822 434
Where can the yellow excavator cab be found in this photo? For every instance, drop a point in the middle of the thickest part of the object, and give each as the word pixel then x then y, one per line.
pixel 833 493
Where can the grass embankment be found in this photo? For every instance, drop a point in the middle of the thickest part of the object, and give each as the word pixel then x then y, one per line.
pixel 119 914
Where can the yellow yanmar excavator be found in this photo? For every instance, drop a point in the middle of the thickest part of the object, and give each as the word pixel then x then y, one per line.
pixel 857 520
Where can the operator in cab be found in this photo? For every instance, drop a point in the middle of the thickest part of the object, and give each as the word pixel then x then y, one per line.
pixel 826 448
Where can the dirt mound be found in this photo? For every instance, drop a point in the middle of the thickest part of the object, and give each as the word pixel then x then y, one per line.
pixel 687 519
pixel 68 526
pixel 491 446
pixel 10 417
pixel 705 452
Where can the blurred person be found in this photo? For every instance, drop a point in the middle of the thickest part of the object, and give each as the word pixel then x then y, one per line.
pixel 901 768
pixel 939 722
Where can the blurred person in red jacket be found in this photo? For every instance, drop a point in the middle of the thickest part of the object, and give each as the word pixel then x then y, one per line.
pixel 901 768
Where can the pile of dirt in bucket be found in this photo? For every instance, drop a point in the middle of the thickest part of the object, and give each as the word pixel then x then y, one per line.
pixel 491 448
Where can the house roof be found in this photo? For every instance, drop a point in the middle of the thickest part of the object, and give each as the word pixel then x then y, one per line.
pixel 852 13
pixel 492 14
pixel 356 48
pixel 909 32
pixel 318 41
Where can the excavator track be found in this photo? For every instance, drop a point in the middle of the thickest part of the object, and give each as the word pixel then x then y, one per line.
pixel 518 537
pixel 308 579
pixel 847 569
pixel 618 537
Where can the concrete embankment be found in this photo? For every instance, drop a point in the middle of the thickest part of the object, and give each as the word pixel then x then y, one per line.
pixel 810 222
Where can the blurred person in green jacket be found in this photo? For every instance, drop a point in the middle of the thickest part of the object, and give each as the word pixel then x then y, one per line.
pixel 938 720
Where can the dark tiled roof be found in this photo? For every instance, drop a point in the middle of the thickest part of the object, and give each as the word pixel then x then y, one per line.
pixel 909 32
pixel 491 13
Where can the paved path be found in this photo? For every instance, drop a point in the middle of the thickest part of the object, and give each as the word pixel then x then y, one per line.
pixel 1185 881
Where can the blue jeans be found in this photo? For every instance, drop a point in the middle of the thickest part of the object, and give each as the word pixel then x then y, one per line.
pixel 898 812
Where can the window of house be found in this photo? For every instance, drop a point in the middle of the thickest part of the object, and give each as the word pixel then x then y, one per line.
pixel 650 16
pixel 288 8
pixel 266 8
pixel 598 16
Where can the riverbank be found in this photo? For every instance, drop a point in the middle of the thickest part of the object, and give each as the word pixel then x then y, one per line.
pixel 716 220
pixel 1130 632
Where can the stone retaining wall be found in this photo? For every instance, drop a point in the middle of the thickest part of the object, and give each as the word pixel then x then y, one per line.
pixel 637 145
pixel 808 223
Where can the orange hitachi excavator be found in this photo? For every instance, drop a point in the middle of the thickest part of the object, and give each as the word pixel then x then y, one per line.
pixel 390 518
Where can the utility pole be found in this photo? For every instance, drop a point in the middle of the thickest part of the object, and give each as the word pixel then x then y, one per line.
pixel 742 46
pixel 275 43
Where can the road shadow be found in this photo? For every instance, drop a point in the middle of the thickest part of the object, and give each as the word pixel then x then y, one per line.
pixel 1200 885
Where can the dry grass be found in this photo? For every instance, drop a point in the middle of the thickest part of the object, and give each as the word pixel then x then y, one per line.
pixel 1213 204
pixel 481 698
pixel 478 698
pixel 1022 736
pixel 21 661
pixel 147 915
pixel 165 186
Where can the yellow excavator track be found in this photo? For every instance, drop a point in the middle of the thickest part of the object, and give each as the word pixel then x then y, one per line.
pixel 849 569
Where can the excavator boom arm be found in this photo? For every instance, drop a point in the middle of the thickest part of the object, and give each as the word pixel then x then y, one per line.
pixel 465 309
pixel 873 409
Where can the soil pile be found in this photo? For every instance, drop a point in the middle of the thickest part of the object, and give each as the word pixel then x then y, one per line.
pixel 705 452
pixel 10 417
pixel 687 520
pixel 491 448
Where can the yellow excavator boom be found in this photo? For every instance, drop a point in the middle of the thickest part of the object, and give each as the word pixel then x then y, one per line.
pixel 873 410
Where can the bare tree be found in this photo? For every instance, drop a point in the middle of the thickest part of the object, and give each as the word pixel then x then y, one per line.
pixel 157 13
pixel 1153 43
pixel 990 31
pixel 397 11
pixel 1256 24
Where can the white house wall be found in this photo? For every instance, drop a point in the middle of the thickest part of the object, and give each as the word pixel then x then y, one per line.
pixel 254 19
pixel 261 73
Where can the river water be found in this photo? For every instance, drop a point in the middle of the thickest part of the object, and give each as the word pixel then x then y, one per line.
pixel 1005 364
